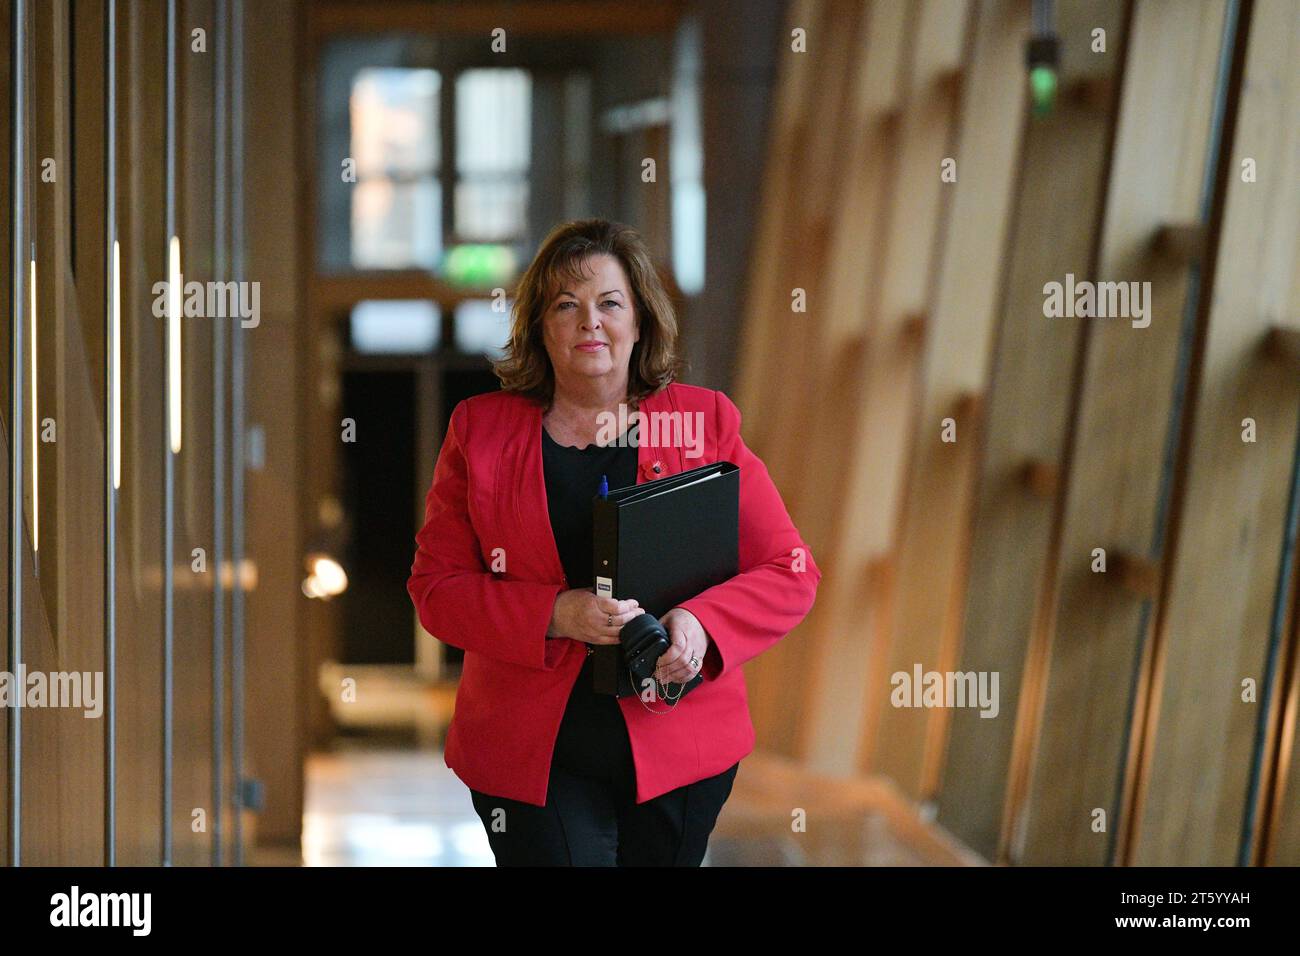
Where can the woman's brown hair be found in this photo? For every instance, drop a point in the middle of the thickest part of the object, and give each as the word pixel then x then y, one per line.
pixel 525 367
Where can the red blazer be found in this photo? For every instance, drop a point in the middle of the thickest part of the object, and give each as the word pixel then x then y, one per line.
pixel 489 492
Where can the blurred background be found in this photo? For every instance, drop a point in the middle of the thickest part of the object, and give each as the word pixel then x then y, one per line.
pixel 1057 623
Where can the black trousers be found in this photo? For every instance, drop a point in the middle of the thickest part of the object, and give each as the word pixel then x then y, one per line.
pixel 591 817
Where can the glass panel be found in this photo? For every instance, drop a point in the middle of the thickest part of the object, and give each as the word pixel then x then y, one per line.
pixel 396 202
pixel 492 121
pixel 481 330
pixel 395 225
pixel 491 210
pixel 493 125
pixel 394 115
pixel 395 325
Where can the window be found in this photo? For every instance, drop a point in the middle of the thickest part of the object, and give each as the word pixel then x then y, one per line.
pixel 395 325
pixel 492 154
pixel 396 213
pixel 480 330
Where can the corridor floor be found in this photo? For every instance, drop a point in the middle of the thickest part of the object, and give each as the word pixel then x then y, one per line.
pixel 387 805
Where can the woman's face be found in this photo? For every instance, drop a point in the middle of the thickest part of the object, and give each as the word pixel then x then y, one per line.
pixel 589 327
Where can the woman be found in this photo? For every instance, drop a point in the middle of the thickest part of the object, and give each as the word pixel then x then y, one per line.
pixel 559 772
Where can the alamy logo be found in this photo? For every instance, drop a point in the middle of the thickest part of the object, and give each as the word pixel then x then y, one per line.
pixel 77 689
pixel 946 689
pixel 1098 300
pixel 102 909
pixel 213 300
pixel 663 430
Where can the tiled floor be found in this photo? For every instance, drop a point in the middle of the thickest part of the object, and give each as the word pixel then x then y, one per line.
pixel 383 804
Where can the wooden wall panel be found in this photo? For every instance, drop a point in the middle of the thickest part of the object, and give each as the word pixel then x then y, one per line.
pixel 853 285
pixel 41 838
pixel 958 341
pixel 62 748
pixel 815 201
pixel 1073 433
pixel 837 48
pixel 73 765
pixel 879 421
pixel 1217 623
pixel 1061 186
pixel 1123 429
pixel 81 451
pixel 853 262
pixel 834 687
pixel 192 645
pixel 89 253
pixel 878 447
pixel 767 305
pixel 43 820
pixel 276 675
pixel 141 86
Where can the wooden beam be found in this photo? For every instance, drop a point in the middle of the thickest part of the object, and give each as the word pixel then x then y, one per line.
pixel 767 303
pixel 342 291
pixel 1217 624
pixel 530 18
pixel 816 201
pixel 1060 194
pixel 879 277
pixel 923 623
pixel 1079 725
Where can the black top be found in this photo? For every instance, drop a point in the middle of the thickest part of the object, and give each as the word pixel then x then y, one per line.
pixel 572 480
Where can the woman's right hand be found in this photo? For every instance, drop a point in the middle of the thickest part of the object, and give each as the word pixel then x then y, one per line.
pixel 583 616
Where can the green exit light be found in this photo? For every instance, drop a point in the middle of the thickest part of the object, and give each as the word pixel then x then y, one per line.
pixel 478 264
pixel 1042 89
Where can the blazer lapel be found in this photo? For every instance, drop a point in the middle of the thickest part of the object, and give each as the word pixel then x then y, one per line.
pixel 531 509
pixel 654 461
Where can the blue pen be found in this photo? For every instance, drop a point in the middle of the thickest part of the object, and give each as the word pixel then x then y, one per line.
pixel 604 487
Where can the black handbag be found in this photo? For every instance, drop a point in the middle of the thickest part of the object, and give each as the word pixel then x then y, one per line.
pixel 644 640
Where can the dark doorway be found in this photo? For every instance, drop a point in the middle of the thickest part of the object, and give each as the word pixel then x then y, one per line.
pixel 377 489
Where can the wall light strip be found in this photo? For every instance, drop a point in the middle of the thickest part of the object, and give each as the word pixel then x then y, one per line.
pixel 116 335
pixel 174 346
pixel 36 487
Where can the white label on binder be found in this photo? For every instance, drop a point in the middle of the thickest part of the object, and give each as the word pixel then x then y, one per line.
pixel 605 587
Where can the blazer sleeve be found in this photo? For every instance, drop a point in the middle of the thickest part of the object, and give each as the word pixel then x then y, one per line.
pixel 457 598
pixel 777 583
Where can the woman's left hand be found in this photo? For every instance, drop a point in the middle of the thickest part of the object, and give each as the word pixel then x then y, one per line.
pixel 689 639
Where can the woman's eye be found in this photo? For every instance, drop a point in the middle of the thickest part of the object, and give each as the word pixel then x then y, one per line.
pixel 568 302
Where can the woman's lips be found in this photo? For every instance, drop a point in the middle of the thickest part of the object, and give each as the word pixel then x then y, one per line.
pixel 591 346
